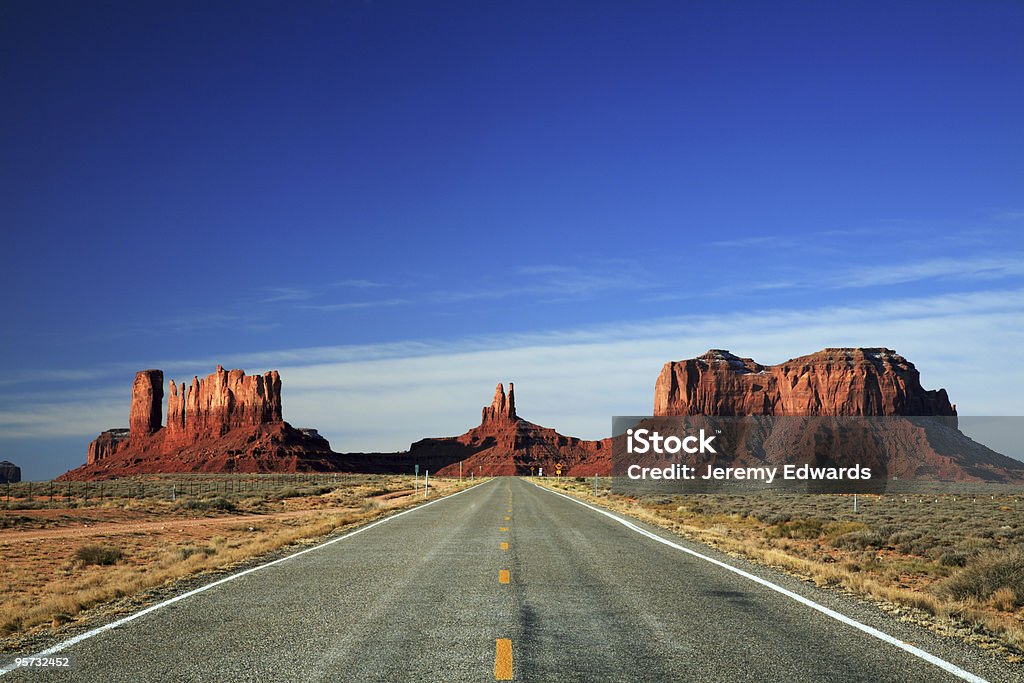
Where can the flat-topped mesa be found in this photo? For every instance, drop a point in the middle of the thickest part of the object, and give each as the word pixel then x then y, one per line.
pixel 105 445
pixel 147 403
pixel 834 381
pixel 502 408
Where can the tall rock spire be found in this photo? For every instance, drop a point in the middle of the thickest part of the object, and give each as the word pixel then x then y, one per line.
pixel 147 403
pixel 502 408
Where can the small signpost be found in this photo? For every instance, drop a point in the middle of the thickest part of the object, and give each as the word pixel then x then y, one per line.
pixel 558 470
pixel 416 479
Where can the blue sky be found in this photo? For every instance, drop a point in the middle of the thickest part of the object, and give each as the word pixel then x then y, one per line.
pixel 400 204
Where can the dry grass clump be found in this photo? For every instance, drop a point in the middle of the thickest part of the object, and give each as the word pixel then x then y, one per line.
pixel 219 503
pixel 102 555
pixel 996 577
pixel 188 551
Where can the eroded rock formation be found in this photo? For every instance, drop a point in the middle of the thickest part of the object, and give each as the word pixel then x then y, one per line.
pixel 222 401
pixel 502 409
pixel 848 381
pixel 506 444
pixel 227 421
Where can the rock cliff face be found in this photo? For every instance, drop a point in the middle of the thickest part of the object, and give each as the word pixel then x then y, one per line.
pixel 852 381
pixel 227 421
pixel 147 403
pixel 106 444
pixel 222 401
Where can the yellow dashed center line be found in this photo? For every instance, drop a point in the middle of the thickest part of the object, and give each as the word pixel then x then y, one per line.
pixel 503 646
pixel 503 659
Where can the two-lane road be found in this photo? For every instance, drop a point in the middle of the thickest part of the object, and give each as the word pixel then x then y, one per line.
pixel 508 581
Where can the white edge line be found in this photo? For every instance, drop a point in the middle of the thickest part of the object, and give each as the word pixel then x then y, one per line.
pixel 874 632
pixel 170 601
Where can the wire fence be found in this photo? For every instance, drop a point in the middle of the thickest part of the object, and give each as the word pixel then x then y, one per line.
pixel 55 494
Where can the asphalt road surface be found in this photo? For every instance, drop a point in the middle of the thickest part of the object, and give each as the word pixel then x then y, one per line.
pixel 508 581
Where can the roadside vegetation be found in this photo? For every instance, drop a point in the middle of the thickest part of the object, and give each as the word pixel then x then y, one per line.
pixel 951 559
pixel 75 551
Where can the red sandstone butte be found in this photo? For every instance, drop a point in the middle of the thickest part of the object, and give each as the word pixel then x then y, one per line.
pixel 834 382
pixel 853 381
pixel 225 422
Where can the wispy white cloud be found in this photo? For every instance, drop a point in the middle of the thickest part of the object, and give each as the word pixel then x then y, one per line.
pixel 1005 266
pixel 46 375
pixel 985 268
pixel 356 305
pixel 750 242
pixel 358 284
pixel 61 419
pixel 540 283
pixel 287 294
pixel 383 397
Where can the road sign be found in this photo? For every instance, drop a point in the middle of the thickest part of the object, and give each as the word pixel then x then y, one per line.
pixel 558 469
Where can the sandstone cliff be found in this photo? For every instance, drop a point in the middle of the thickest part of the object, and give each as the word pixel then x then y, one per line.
pixel 222 401
pixel 147 403
pixel 852 381
pixel 106 444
